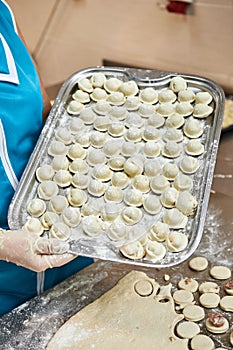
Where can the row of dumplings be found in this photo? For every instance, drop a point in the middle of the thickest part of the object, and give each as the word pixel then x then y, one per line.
pixel 116 92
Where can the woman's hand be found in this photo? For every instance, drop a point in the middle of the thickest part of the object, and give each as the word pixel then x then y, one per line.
pixel 33 252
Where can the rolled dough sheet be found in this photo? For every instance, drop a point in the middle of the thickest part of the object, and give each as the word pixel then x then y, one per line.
pixel 123 319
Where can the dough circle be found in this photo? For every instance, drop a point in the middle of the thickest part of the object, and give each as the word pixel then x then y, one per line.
pixel 144 288
pixel 198 263
pixel 201 341
pixel 189 284
pixel 209 300
pixel 187 329
pixel 193 313
pixel 220 272
pixel 226 303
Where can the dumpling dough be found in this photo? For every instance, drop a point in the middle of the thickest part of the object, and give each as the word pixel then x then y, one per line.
pixel 171 149
pixel 170 171
pixel 169 197
pixel 88 116
pixel 79 166
pixel 99 94
pixel 76 151
pixel 220 272
pixel 132 103
pixel 209 287
pixel 152 167
pixel 133 250
pixel 141 183
pixel 209 300
pixel 156 120
pixel 96 188
pixel 166 96
pixel 57 148
pixel 102 172
pixel 33 225
pixel 203 97
pixel 152 149
pixel 193 129
pixel 187 329
pixel 102 107
pixel 189 164
pixel 47 189
pixel 128 148
pixel 166 109
pixel 202 110
pixel 186 95
pixel 226 303
pixel 80 180
pixel 116 129
pixel 194 147
pixel 186 203
pixel 74 107
pixel 44 173
pixel 113 194
pixel 120 179
pixel 159 183
pixel 62 178
pixel 92 225
pixel 133 197
pixel 183 297
pixel 85 85
pixel 174 121
pixel 112 84
pixel 159 231
pixel 183 182
pixel 98 80
pixel 133 166
pixel 60 162
pixel 193 313
pixel 48 219
pixel 148 95
pixel 116 98
pixel 81 96
pixel 189 284
pixel 133 134
pixel 129 88
pixel 97 139
pixel 199 263
pixel 201 341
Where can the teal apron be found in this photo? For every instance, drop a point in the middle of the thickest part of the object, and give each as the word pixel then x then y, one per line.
pixel 21 107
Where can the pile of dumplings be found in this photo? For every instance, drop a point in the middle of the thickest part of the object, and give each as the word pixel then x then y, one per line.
pixel 121 166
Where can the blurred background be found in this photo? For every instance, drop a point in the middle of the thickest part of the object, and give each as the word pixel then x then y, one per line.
pixel 65 36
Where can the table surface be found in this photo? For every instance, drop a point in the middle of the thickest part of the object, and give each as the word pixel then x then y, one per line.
pixel 31 325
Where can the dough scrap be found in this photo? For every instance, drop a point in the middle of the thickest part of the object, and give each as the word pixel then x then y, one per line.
pixel 107 323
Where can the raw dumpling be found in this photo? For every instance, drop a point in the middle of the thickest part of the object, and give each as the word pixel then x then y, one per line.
pixel 183 182
pixel 146 110
pixel 148 95
pixel 159 183
pixel 97 139
pixel 133 134
pixel 64 135
pixel 79 166
pixel 118 112
pixel 116 163
pixel 159 231
pixel 184 108
pixel 83 139
pixel 116 129
pixel 194 147
pixel 169 197
pixel 156 120
pixel 101 123
pixel 74 107
pixel 85 85
pixel 120 179
pixel 44 173
pixel 202 110
pixel 171 149
pixel 151 133
pixel 133 197
pixel 95 157
pixel 152 149
pixel 186 95
pixel 132 103
pixel 141 183
pixel 87 116
pixel 133 250
pixel 33 225
pixel 116 231
pixel 152 167
pixel 189 164
pixel 203 97
pixel 76 125
pixel 62 178
pixel 58 203
pixel 186 203
pixel 99 94
pixel 166 109
pixel 129 88
pixel 60 162
pixel 131 215
pixel 174 121
pixel 96 188
pixel 76 151
pixel 111 148
pixel 193 129
pixel 47 189
pixel 71 216
pixel 114 194
pixel 77 197
pixel 98 80
pixel 170 171
pixel 116 98
pixel 177 84
pixel 57 148
pixel 128 148
pixel 112 84
pixel 172 134
pixel 151 204
pixel 167 96
pixel 174 218
pixel 36 207
pixel 102 172
pixel 59 231
pixel 81 96
pixel 102 107
pixel 48 219
pixel 133 166
pixel 92 225
pixel 176 242
pixel 109 211
pixel 133 119
pixel 154 251
pixel 80 180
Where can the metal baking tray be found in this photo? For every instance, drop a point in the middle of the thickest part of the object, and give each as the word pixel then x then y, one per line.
pixel 101 247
